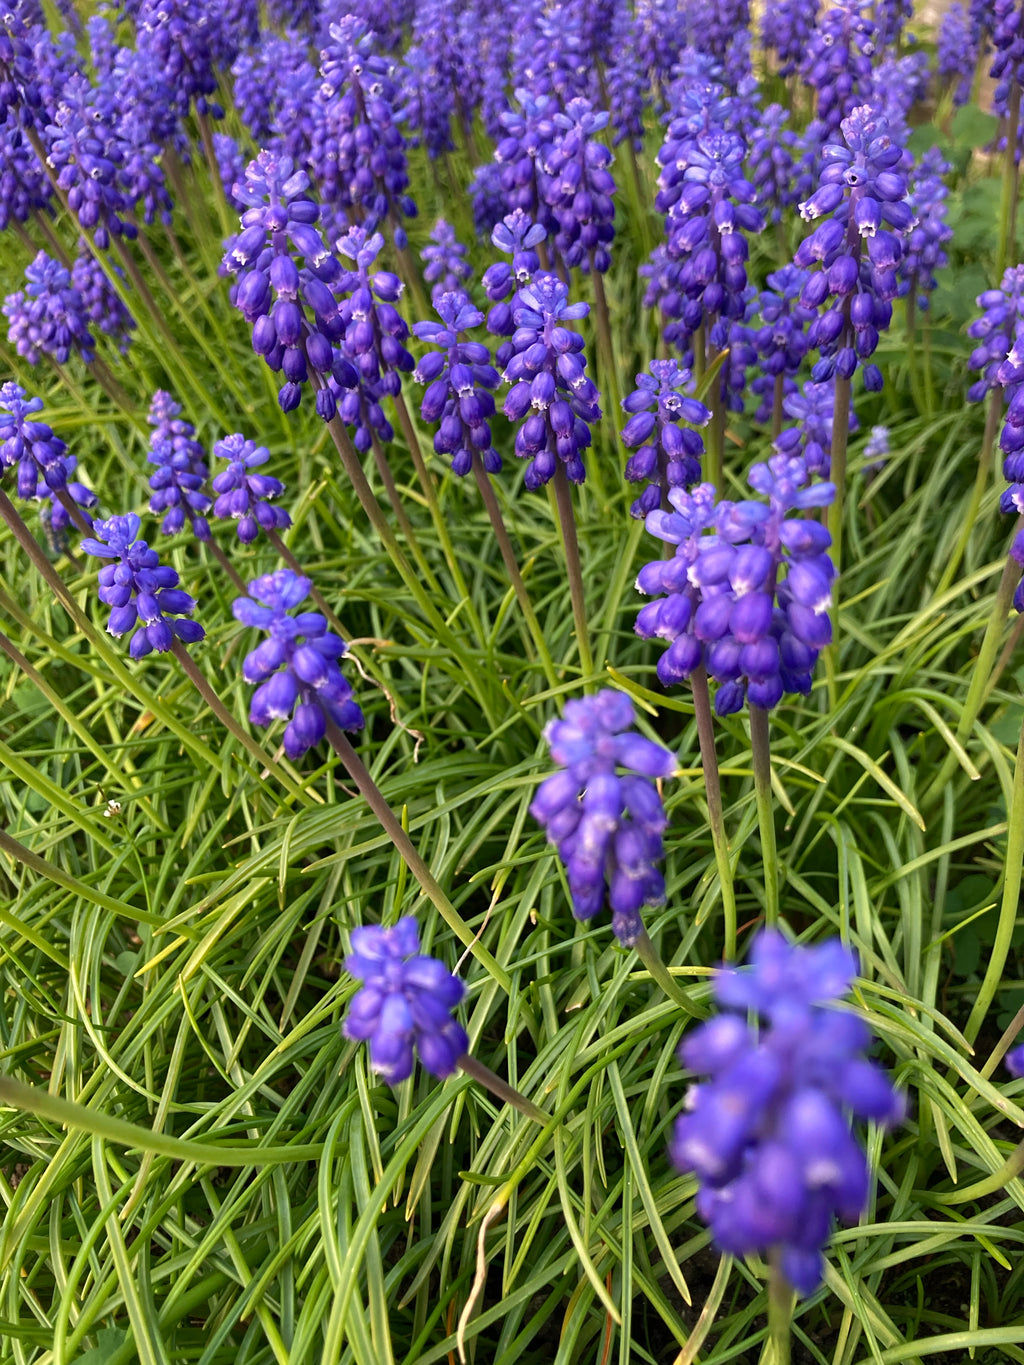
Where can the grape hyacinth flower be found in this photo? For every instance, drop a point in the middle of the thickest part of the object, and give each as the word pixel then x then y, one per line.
pixel 516 236
pixel 550 388
pixel 1014 1061
pixel 1001 323
pixel 813 409
pixel 271 289
pixel 606 825
pixel 374 331
pixel 771 164
pixel 48 317
pixel 1010 375
pixel 54 515
pixel 29 445
pixel 177 484
pixel 140 590
pixel 445 267
pixel 929 234
pixel 781 343
pixel 876 450
pixel 460 382
pixel 957 53
pixel 529 132
pixel 404 1008
pixel 751 599
pixel 244 496
pixel 103 307
pixel 358 152
pixel 862 187
pixel 86 157
pixel 297 666
pixel 579 187
pixel 669 454
pixel 767 1134
pixel 837 60
pixel 786 28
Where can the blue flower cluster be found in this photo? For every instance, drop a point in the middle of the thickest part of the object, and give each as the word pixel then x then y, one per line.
pixel 996 330
pixel 445 267
pixel 404 1008
pixel 862 187
pixel 836 61
pixel 606 825
pixel 140 591
pixel 767 1135
pixel 550 387
pixel 244 496
pixel 28 445
pixel 748 589
pixel 297 666
pixel 460 382
pixel 924 253
pixel 48 317
pixel 579 187
pixel 669 453
pixel 273 292
pixel 177 484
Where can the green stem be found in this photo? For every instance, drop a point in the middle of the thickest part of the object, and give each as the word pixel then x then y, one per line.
pixel 714 457
pixel 227 566
pixel 992 416
pixel 426 479
pixel 567 522
pixel 35 1100
pixel 716 818
pixel 483 1075
pixel 780 1310
pixel 979 674
pixel 377 519
pixel 223 208
pixel 508 555
pixel 652 960
pixel 1010 906
pixel 609 370
pixel 765 810
pixel 837 468
pixel 380 459
pixel 191 669
pixel 429 884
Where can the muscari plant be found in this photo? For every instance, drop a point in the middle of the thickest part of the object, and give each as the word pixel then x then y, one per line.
pixel 315 801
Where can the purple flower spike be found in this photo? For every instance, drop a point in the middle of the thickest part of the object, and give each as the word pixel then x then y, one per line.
pixel 550 387
pixel 1015 1062
pixel 579 187
pixel 294 314
pixel 460 382
pixel 606 824
pixel 29 446
pixel 48 317
pixel 297 666
pixel 140 591
pixel 444 261
pixel 181 472
pixel 244 495
pixel 767 1135
pixel 669 453
pixel 404 1009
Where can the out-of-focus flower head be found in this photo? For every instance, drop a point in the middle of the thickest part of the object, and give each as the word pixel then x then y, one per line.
pixel 404 1008
pixel 296 667
pixel 768 1133
pixel 606 823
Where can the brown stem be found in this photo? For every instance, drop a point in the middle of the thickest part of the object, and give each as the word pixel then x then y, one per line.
pixel 227 566
pixel 394 498
pixel 713 787
pixel 392 826
pixel 483 1075
pixel 567 522
pixel 81 519
pixel 508 556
